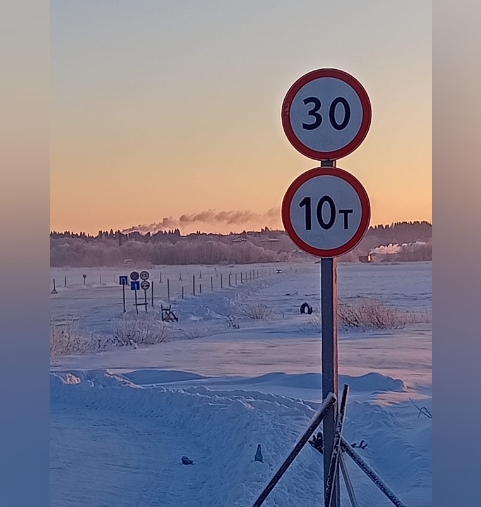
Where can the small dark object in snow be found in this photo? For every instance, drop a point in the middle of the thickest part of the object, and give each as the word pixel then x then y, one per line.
pixel 306 308
pixel 361 444
pixel 258 456
pixel 186 461
pixel 317 442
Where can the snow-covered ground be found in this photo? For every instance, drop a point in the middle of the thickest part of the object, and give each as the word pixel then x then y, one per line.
pixel 121 420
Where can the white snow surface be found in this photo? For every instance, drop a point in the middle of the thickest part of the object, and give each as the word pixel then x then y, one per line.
pixel 122 420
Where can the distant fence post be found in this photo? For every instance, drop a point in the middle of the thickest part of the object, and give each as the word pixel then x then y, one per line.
pixel 160 277
pixel 221 286
pixel 229 280
pixel 200 288
pixel 193 285
pixel 211 283
pixel 65 285
pixel 168 290
pixel 182 292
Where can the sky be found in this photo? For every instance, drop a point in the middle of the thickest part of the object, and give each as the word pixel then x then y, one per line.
pixel 167 114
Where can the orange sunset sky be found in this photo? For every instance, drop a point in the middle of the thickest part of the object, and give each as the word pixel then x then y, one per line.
pixel 167 109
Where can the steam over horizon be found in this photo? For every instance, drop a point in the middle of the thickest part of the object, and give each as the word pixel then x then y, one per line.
pixel 223 221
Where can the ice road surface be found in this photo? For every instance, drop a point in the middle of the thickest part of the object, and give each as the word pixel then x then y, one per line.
pixel 122 420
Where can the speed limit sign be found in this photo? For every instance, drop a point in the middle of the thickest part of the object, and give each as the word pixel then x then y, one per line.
pixel 326 212
pixel 326 114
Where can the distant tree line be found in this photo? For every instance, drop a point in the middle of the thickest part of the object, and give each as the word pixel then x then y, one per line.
pixel 114 248
pixel 401 232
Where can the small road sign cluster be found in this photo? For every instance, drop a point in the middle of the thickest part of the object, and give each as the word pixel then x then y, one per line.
pixel 137 281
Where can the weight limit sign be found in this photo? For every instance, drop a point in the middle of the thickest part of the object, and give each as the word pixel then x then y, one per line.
pixel 326 212
pixel 326 114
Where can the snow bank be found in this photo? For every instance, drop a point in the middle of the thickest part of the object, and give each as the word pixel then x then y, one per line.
pixel 221 431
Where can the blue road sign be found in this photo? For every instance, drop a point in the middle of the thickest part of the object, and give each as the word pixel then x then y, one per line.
pixel 135 285
pixel 123 280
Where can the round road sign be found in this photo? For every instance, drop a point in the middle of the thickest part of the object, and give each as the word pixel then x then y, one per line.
pixel 134 276
pixel 144 275
pixel 326 212
pixel 326 114
pixel 145 285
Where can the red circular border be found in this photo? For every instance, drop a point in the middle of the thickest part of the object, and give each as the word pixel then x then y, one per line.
pixel 366 117
pixel 365 208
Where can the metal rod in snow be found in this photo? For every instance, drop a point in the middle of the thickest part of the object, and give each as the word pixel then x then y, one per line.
pixel 347 481
pixel 316 420
pixel 152 300
pixel 336 450
pixel 193 285
pixel 168 290
pixel 370 473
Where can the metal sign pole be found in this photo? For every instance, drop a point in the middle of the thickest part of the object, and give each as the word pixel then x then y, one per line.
pixel 329 361
pixel 123 296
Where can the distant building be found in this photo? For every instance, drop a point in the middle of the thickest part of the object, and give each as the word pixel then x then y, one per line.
pixel 365 258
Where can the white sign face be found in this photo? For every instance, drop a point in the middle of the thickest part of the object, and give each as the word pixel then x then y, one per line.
pixel 145 285
pixel 326 114
pixel 144 275
pixel 326 212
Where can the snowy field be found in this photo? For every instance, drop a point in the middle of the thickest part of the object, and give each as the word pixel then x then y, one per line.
pixel 222 383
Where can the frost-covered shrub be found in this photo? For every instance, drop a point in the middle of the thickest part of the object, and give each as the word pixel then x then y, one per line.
pixel 374 314
pixel 66 339
pixel 367 314
pixel 195 331
pixel 140 331
pixel 255 311
pixel 232 322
